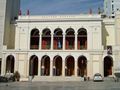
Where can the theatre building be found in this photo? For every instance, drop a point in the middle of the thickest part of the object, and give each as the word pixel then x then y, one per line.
pixel 62 47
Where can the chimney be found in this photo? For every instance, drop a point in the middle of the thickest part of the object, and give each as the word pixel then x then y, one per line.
pixel 20 12
pixel 28 12
pixel 99 10
pixel 90 11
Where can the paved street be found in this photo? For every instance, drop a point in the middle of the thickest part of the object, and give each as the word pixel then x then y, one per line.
pixel 89 85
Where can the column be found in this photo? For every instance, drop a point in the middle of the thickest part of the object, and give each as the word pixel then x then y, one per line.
pixel 52 41
pixel 3 66
pixel 75 41
pixel 16 64
pixel 40 42
pixel 63 68
pixel 89 68
pixel 63 41
pixel 51 68
pixel 39 67
pixel 76 67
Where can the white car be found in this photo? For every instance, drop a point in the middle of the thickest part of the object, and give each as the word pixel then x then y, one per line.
pixel 97 77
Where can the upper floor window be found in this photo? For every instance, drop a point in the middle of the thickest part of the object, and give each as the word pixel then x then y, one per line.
pixel 58 39
pixel 46 39
pixel 82 39
pixel 34 39
pixel 70 39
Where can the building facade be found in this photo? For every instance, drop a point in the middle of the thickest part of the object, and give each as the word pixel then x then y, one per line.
pixel 111 7
pixel 59 47
pixel 8 13
pixel 62 47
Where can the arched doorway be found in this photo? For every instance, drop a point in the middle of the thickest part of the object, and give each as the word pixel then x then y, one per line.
pixel 82 39
pixel 70 64
pixel 57 66
pixel 82 66
pixel 108 64
pixel 10 64
pixel 45 66
pixel 70 39
pixel 33 65
pixel 46 39
pixel 58 39
pixel 34 39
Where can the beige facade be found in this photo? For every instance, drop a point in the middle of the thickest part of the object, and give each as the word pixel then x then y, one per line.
pixel 62 47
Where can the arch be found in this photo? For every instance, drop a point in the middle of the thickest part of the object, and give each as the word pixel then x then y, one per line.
pixel 70 64
pixel 10 63
pixel 82 66
pixel 34 39
pixel 46 39
pixel 82 39
pixel 58 39
pixel 33 65
pixel 45 65
pixel 57 66
pixel 70 38
pixel 108 64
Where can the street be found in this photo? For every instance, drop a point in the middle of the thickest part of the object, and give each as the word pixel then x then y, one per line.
pixel 88 85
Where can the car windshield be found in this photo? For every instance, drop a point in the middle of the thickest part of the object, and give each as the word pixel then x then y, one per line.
pixel 97 74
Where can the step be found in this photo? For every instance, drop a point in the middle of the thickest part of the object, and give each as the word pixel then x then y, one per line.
pixel 57 78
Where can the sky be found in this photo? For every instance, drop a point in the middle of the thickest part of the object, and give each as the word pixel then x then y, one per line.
pixel 48 7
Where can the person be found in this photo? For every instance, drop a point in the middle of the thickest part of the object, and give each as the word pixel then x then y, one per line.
pixel 17 76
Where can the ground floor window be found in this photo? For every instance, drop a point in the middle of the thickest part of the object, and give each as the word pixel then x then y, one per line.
pixel 45 66
pixel 108 64
pixel 82 66
pixel 33 65
pixel 70 64
pixel 10 64
pixel 57 66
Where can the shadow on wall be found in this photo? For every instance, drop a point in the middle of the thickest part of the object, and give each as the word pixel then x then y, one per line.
pixel 104 36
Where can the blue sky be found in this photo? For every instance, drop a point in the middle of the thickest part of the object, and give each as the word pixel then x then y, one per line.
pixel 43 7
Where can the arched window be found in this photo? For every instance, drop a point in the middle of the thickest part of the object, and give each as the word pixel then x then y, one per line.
pixel 33 65
pixel 82 66
pixel 45 66
pixel 10 64
pixel 58 39
pixel 57 66
pixel 34 39
pixel 70 39
pixel 46 39
pixel 82 39
pixel 70 64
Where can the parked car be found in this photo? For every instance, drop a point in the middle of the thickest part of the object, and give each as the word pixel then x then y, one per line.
pixel 97 77
pixel 3 79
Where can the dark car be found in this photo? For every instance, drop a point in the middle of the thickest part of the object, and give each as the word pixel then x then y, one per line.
pixel 3 79
pixel 97 77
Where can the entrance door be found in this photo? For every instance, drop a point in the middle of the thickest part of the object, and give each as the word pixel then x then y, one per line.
pixel 108 64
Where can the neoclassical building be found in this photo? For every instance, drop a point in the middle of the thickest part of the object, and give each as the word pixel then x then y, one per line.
pixel 63 47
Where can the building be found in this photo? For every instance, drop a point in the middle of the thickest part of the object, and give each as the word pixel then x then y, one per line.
pixel 8 13
pixel 61 47
pixel 111 7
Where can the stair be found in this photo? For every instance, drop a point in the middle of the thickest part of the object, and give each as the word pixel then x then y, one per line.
pixel 57 78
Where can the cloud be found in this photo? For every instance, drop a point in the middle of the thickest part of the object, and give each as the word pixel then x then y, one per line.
pixel 60 6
